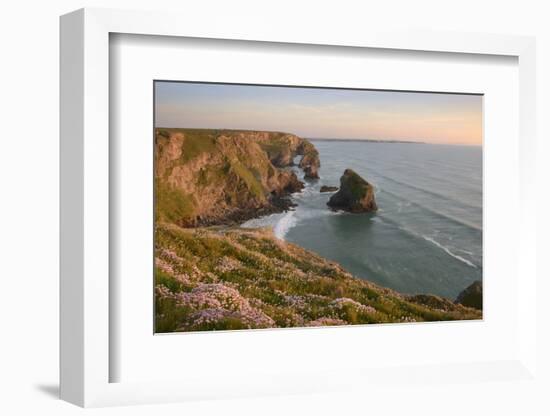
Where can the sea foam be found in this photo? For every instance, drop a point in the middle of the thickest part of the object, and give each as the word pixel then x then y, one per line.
pixel 284 224
pixel 449 252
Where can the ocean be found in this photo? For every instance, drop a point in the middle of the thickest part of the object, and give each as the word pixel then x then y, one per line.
pixel 426 236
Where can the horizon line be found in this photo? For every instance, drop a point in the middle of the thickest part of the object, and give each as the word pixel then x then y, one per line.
pixel 394 140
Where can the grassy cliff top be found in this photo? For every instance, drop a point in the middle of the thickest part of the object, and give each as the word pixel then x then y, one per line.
pixel 232 278
pixel 204 140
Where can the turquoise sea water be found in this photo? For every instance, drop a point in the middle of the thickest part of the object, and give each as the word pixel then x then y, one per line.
pixel 426 236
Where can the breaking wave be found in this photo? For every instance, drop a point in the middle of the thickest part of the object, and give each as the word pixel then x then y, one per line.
pixel 281 227
pixel 449 252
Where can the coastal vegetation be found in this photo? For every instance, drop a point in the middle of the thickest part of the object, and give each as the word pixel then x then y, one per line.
pixel 233 278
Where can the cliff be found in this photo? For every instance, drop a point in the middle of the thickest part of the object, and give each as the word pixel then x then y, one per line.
pixel 310 162
pixel 355 194
pixel 283 148
pixel 208 177
pixel 233 278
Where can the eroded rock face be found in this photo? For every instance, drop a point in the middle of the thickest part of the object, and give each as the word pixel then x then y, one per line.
pixel 283 157
pixel 310 162
pixel 289 183
pixel 207 177
pixel 355 194
pixel 282 148
pixel 472 296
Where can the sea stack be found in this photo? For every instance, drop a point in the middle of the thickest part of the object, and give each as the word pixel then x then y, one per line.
pixel 355 195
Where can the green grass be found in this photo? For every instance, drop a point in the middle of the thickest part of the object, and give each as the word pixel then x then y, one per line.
pixel 252 183
pixel 197 143
pixel 269 271
pixel 162 278
pixel 171 204
pixel 168 314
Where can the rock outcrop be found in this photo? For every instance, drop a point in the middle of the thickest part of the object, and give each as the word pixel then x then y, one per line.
pixel 208 177
pixel 355 194
pixel 472 296
pixel 310 162
pixel 282 148
pixel 326 188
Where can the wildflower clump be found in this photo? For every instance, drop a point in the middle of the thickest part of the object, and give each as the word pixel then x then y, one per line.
pixel 233 278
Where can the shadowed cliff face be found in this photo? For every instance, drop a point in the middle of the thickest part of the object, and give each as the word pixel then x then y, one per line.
pixel 472 296
pixel 208 177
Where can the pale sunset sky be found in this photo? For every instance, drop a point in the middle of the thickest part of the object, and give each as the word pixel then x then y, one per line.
pixel 322 113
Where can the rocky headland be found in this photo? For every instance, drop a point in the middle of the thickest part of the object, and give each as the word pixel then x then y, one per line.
pixel 211 177
pixel 355 194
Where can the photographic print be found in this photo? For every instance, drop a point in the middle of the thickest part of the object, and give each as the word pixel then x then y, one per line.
pixel 287 206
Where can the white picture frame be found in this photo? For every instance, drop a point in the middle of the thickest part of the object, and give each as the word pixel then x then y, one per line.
pixel 85 221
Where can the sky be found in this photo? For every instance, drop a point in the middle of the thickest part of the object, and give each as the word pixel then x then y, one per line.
pixel 322 113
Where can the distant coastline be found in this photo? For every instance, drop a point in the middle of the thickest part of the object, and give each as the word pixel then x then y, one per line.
pixel 326 139
pixel 323 139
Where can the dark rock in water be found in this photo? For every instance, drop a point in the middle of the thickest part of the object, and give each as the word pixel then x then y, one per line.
pixel 355 195
pixel 311 172
pixel 326 188
pixel 283 203
pixel 289 183
pixel 472 296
